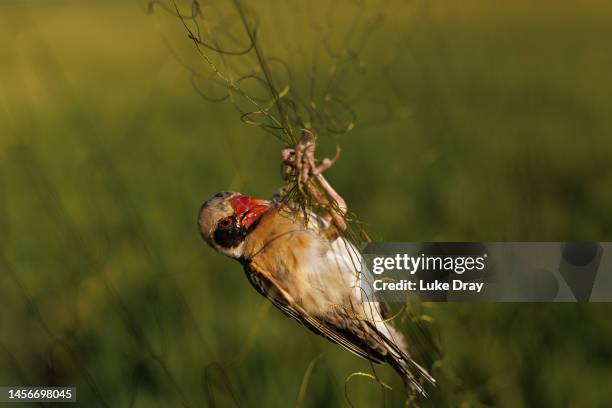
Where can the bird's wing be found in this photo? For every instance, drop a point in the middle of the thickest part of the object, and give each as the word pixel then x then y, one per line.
pixel 363 332
pixel 336 325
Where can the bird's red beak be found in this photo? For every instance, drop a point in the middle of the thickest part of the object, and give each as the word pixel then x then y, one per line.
pixel 248 210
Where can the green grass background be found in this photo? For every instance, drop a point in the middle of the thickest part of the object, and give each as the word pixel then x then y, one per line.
pixel 106 153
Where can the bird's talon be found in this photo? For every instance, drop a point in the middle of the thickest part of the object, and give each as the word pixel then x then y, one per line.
pixel 288 156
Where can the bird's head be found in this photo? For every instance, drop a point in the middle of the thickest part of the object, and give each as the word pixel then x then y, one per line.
pixel 227 218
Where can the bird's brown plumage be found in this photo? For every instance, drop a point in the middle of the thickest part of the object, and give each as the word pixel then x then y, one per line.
pixel 316 282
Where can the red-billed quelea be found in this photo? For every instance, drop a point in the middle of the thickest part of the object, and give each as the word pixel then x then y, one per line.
pixel 307 269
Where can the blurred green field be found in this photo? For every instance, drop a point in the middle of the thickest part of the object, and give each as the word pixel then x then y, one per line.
pixel 106 153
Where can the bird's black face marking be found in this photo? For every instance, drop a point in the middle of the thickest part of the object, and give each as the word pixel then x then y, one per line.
pixel 229 233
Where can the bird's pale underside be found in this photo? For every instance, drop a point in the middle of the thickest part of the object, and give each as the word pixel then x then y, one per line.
pixel 307 271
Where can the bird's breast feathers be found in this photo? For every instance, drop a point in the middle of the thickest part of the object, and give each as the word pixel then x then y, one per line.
pixel 314 272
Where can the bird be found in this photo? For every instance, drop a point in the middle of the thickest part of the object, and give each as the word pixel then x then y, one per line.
pixel 301 263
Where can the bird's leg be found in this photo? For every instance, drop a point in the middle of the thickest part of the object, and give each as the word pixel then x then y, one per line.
pixel 302 158
pixel 294 157
pixel 317 171
pixel 335 213
pixel 333 194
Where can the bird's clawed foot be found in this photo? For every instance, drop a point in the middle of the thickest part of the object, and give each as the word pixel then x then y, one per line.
pixel 302 159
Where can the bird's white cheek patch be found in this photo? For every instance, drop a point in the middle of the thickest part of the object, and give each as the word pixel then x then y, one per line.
pixel 235 252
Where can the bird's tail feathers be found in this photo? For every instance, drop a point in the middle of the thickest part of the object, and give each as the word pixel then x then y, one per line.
pixel 411 371
pixel 407 367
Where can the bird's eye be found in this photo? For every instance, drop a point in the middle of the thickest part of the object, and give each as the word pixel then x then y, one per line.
pixel 228 233
pixel 225 222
